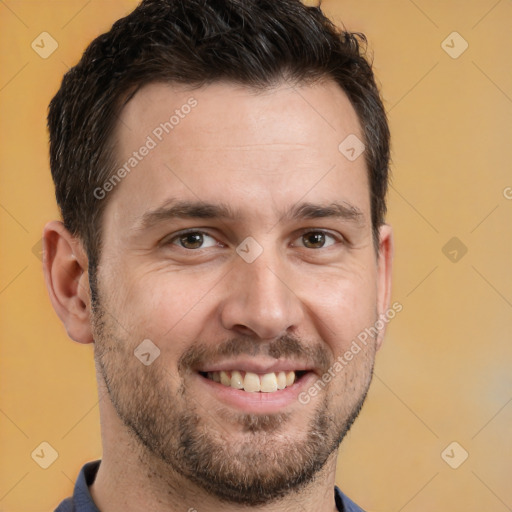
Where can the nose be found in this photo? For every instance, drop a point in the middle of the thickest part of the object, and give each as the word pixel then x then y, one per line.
pixel 261 300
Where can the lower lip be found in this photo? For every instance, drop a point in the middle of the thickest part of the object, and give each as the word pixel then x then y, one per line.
pixel 258 402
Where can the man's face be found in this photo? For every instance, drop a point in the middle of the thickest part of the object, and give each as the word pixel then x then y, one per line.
pixel 241 243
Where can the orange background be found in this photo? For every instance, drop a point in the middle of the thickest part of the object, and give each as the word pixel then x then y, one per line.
pixel 445 371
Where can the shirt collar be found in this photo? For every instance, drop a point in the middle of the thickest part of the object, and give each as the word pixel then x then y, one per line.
pixel 82 499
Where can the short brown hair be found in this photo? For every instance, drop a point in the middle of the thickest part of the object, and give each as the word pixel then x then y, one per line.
pixel 257 43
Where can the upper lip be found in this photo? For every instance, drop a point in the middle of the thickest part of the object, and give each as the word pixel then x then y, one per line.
pixel 256 366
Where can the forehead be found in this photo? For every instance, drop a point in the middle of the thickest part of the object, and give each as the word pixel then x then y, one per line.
pixel 233 145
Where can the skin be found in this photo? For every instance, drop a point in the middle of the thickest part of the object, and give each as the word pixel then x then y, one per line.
pixel 261 154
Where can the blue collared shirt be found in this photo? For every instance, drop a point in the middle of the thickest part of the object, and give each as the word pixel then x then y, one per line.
pixel 81 501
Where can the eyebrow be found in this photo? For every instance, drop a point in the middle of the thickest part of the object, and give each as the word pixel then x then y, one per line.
pixel 339 210
pixel 178 209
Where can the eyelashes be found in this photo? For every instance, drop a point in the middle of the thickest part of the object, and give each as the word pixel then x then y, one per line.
pixel 195 239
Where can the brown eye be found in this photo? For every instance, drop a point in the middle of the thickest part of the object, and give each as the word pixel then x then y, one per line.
pixel 194 240
pixel 314 240
pixel 191 240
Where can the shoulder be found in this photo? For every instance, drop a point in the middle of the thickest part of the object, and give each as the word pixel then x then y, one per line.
pixel 81 501
pixel 344 503
pixel 66 506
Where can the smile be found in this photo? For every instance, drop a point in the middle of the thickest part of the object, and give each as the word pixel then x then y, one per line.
pixel 253 382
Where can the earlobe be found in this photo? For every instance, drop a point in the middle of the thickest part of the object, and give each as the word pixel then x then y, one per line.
pixel 65 267
pixel 385 265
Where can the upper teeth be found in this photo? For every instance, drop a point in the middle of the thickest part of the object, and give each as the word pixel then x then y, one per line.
pixel 248 381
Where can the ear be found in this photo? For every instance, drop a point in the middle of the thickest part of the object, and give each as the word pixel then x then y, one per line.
pixel 384 271
pixel 65 267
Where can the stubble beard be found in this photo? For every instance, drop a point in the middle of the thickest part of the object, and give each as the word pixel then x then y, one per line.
pixel 260 467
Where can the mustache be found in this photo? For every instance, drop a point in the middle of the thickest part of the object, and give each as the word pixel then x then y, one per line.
pixel 291 347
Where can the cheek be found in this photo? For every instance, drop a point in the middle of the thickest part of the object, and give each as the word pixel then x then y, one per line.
pixel 173 308
pixel 343 308
pixel 164 306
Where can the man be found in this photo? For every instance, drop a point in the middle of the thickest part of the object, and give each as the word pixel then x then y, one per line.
pixel 221 169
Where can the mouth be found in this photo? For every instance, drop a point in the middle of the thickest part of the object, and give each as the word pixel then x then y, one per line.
pixel 262 385
pixel 250 382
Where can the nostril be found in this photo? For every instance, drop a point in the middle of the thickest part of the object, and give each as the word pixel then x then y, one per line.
pixel 244 330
